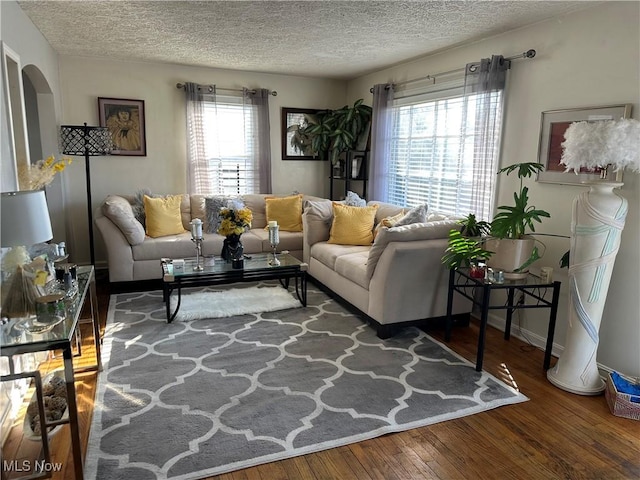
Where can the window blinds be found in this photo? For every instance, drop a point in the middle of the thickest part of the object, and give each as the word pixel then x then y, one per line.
pixel 230 147
pixel 432 149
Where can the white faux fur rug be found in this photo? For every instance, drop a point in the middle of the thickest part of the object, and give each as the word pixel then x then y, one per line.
pixel 236 301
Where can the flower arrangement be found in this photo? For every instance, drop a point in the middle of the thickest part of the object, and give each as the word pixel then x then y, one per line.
pixel 41 173
pixel 602 143
pixel 234 222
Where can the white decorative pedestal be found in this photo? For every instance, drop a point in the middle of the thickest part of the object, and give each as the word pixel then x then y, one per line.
pixel 598 220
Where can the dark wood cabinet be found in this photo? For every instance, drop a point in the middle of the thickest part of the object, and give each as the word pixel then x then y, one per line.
pixel 349 174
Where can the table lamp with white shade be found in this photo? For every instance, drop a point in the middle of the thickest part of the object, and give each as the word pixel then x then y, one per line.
pixel 25 221
pixel 598 220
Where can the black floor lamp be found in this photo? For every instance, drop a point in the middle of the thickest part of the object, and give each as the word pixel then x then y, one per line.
pixel 90 142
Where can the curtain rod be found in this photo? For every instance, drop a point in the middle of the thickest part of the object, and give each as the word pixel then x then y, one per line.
pixel 528 54
pixel 210 89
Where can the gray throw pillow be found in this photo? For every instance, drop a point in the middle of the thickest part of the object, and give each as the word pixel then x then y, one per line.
pixel 213 205
pixel 354 200
pixel 138 204
pixel 415 215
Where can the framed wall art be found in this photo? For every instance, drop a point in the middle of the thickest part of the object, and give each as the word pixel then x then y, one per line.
pixel 126 121
pixel 292 119
pixel 552 127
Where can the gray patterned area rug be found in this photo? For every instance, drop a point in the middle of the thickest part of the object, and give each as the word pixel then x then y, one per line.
pixel 198 398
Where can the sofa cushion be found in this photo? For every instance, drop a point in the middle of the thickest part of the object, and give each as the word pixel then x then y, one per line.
pixel 386 210
pixel 291 241
pixel 328 253
pixel 170 246
pixel 353 266
pixel 163 215
pixel 137 204
pixel 352 225
pixel 417 214
pixel 287 211
pixel 120 212
pixel 387 222
pixel 406 233
pixel 318 215
pixel 255 202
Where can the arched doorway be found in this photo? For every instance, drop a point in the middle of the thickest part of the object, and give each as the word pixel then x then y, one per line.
pixel 42 134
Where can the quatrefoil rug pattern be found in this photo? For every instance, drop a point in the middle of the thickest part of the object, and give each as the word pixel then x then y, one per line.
pixel 198 398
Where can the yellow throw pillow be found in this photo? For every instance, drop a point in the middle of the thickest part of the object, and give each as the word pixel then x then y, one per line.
pixel 163 215
pixel 352 225
pixel 387 222
pixel 287 211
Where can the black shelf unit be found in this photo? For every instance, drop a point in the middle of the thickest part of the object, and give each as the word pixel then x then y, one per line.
pixel 351 173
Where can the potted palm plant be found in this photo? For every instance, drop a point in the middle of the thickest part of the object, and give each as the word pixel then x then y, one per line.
pixel 514 249
pixel 333 131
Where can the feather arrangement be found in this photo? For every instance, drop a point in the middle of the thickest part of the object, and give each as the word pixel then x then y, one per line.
pixel 602 143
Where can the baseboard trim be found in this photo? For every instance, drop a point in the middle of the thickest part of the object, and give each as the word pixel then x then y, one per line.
pixel 536 340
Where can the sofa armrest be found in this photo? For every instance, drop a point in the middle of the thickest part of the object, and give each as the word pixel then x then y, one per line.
pixel 316 224
pixel 120 212
pixel 411 283
pixel 407 233
pixel 119 251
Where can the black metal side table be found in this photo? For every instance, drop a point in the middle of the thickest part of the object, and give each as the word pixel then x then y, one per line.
pixel 461 281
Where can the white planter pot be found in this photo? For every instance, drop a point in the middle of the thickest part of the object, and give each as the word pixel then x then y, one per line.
pixel 596 227
pixel 509 255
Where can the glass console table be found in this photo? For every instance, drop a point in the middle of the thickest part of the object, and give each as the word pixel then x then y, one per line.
pixel 18 341
pixel 531 287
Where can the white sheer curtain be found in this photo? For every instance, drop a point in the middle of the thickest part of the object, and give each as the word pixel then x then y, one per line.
pixel 197 178
pixel 228 150
pixel 484 90
pixel 445 141
pixel 381 126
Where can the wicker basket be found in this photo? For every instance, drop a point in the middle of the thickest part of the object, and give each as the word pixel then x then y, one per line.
pixel 621 404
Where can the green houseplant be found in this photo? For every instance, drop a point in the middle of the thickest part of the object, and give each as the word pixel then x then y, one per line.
pixel 332 131
pixel 514 249
pixel 465 246
pixel 464 251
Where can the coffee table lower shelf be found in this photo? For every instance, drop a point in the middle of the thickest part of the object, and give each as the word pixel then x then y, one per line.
pixel 256 268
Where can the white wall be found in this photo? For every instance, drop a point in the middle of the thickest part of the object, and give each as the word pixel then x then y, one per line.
pixel 163 170
pixel 588 58
pixel 37 57
pixel 25 40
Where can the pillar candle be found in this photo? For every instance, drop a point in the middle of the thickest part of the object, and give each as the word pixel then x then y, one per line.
pixel 196 228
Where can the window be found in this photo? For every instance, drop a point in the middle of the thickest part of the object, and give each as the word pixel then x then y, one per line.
pixel 228 165
pixel 436 149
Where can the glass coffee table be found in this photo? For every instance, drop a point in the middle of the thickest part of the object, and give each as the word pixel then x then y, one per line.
pixel 257 267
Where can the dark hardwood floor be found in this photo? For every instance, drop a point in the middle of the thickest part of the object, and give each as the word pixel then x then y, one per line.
pixel 555 435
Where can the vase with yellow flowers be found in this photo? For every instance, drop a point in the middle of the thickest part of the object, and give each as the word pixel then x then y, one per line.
pixel 41 173
pixel 233 224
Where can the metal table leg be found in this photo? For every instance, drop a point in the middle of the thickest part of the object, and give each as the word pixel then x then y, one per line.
pixel 73 412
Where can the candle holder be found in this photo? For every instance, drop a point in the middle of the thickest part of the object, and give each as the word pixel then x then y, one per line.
pixel 196 237
pixel 274 240
pixel 198 267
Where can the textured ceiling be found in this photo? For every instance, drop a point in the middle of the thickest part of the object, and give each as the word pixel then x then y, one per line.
pixel 334 39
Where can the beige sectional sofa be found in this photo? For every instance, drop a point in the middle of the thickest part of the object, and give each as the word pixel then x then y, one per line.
pixel 397 280
pixel 134 256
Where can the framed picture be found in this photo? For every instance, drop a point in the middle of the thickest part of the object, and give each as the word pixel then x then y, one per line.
pixel 125 120
pixel 552 127
pixel 292 119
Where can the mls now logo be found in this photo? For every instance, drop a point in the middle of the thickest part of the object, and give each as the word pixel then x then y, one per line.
pixel 28 466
